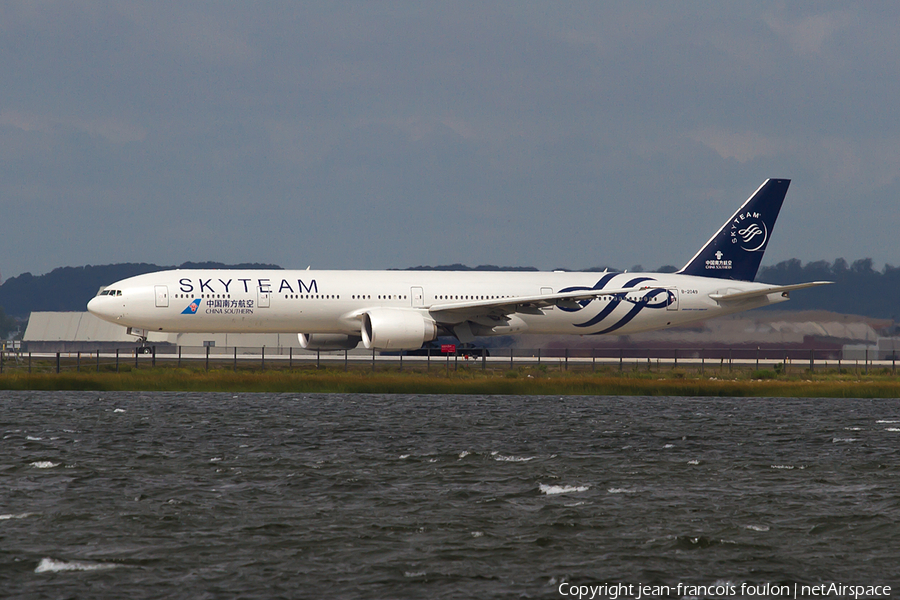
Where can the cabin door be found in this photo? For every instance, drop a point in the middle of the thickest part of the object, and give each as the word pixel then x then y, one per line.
pixel 162 296
pixel 263 299
pixel 417 297
pixel 672 303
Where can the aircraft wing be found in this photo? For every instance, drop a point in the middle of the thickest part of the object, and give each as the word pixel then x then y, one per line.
pixel 775 289
pixel 521 304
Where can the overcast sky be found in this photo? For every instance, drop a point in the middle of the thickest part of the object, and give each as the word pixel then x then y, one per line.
pixel 387 135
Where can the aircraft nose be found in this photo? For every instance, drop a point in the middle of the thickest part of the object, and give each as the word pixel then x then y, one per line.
pixel 95 307
pixel 103 308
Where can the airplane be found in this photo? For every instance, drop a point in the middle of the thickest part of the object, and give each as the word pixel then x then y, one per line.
pixel 402 310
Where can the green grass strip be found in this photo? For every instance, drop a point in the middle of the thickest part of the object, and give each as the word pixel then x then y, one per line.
pixel 518 382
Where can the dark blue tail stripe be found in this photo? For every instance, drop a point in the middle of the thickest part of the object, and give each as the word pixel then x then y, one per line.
pixel 737 248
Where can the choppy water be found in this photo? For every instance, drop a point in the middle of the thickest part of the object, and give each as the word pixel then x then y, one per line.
pixel 167 495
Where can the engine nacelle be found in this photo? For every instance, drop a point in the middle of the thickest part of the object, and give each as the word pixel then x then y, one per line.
pixel 396 329
pixel 328 341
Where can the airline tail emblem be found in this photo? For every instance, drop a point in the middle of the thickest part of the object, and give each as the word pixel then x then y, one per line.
pixel 736 250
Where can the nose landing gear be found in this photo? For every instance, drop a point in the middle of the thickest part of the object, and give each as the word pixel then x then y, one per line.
pixel 141 335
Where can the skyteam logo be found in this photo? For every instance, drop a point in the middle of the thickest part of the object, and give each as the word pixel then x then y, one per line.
pixel 749 231
pixel 192 308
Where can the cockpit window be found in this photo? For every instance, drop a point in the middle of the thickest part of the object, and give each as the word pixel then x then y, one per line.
pixel 110 293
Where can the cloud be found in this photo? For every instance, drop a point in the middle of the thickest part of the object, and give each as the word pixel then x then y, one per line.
pixel 809 34
pixel 113 129
pixel 380 135
pixel 740 146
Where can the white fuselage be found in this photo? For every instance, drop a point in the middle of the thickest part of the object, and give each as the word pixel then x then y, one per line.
pixel 397 310
pixel 238 301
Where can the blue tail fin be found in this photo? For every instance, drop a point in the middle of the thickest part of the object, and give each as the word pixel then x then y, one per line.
pixel 736 250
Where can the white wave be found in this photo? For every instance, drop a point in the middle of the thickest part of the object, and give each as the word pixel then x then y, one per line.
pixel 50 565
pixel 622 491
pixel 404 456
pixel 693 462
pixel 669 446
pixel 839 440
pixel 215 459
pixel 892 429
pixel 758 527
pixel 412 574
pixel 119 410
pixel 782 466
pixel 19 516
pixel 477 534
pixel 464 453
pixel 886 421
pixel 44 464
pixel 502 458
pixel 552 490
pixel 33 439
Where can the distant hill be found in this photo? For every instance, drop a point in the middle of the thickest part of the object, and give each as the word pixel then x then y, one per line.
pixel 859 289
pixel 70 288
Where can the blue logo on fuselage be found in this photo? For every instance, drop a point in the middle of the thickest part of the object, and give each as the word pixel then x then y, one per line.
pixel 192 308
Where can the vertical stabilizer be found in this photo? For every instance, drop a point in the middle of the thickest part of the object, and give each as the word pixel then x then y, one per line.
pixel 736 250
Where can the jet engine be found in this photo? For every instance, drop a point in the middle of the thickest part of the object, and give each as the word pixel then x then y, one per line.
pixel 328 341
pixel 397 329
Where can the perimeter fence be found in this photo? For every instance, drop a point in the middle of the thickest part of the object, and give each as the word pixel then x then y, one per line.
pixel 765 362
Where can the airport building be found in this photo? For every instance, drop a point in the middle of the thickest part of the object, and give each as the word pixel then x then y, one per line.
pixel 70 332
pixel 850 338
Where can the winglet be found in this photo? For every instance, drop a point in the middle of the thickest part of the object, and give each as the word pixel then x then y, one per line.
pixel 736 250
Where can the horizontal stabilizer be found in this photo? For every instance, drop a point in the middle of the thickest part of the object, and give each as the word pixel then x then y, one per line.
pixel 775 289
